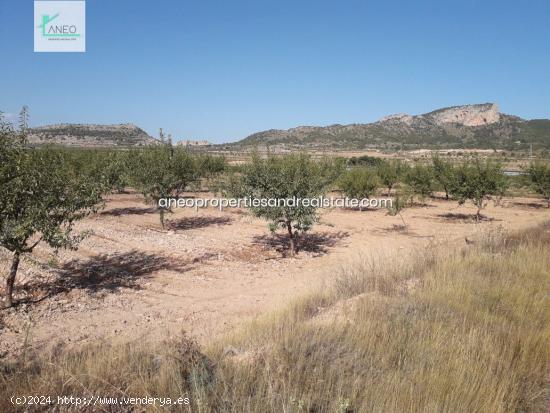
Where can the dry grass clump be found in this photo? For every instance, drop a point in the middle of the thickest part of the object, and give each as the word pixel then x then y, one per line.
pixel 471 334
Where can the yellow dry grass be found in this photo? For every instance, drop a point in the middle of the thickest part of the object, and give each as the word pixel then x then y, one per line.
pixel 464 331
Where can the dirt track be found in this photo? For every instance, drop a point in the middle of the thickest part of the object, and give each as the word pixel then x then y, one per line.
pixel 210 270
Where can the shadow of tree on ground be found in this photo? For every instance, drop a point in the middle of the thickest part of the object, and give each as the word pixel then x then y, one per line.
pixel 316 243
pixel 110 272
pixel 450 216
pixel 116 212
pixel 535 205
pixel 196 222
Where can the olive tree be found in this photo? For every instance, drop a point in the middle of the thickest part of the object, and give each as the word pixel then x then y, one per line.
pixel 40 200
pixel 539 176
pixel 283 178
pixel 477 182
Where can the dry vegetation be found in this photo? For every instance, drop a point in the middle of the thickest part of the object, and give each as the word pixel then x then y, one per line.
pixel 456 332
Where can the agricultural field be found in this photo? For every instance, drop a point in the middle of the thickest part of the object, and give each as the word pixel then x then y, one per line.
pixel 274 207
pixel 100 269
pixel 209 271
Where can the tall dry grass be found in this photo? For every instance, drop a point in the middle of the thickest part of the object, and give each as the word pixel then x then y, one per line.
pixel 467 331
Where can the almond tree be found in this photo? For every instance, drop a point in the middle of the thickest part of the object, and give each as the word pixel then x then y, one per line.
pixel 477 182
pixel 443 172
pixel 389 172
pixel 420 180
pixel 162 172
pixel 359 183
pixel 539 175
pixel 284 178
pixel 40 200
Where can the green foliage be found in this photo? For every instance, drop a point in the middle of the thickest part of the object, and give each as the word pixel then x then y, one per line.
pixel 288 177
pixel 420 180
pixel 334 168
pixel 40 199
pixel 114 171
pixel 364 160
pixel 208 165
pixel 24 119
pixel 359 183
pixel 43 198
pixel 400 201
pixel 539 176
pixel 162 172
pixel 110 168
pixel 443 172
pixel 477 182
pixel 211 169
pixel 390 171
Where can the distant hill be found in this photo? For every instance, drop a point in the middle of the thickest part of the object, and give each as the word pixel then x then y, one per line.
pixel 468 126
pixel 90 135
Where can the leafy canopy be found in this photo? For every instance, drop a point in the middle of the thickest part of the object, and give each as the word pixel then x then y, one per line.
pixel 40 196
pixel 287 177
pixel 359 183
pixel 539 175
pixel 478 181
pixel 420 180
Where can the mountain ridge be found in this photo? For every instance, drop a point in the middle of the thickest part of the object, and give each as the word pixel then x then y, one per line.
pixel 463 126
pixel 90 135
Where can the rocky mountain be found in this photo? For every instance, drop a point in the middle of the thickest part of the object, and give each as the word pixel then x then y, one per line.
pixel 90 135
pixel 468 126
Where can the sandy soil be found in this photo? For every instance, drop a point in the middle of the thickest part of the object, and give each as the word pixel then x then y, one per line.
pixel 210 270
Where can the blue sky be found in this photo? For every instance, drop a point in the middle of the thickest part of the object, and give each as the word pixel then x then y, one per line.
pixel 220 70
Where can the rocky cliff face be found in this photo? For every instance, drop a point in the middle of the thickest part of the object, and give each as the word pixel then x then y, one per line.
pixel 468 126
pixel 468 115
pixel 89 135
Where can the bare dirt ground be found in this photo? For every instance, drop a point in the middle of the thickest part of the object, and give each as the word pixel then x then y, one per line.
pixel 210 270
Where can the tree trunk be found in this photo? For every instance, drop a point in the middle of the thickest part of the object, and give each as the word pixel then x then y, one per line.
pixel 446 194
pixel 161 213
pixel 10 281
pixel 401 216
pixel 291 238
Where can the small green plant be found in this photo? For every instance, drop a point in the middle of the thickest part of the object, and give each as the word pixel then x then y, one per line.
pixel 399 203
pixel 53 261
